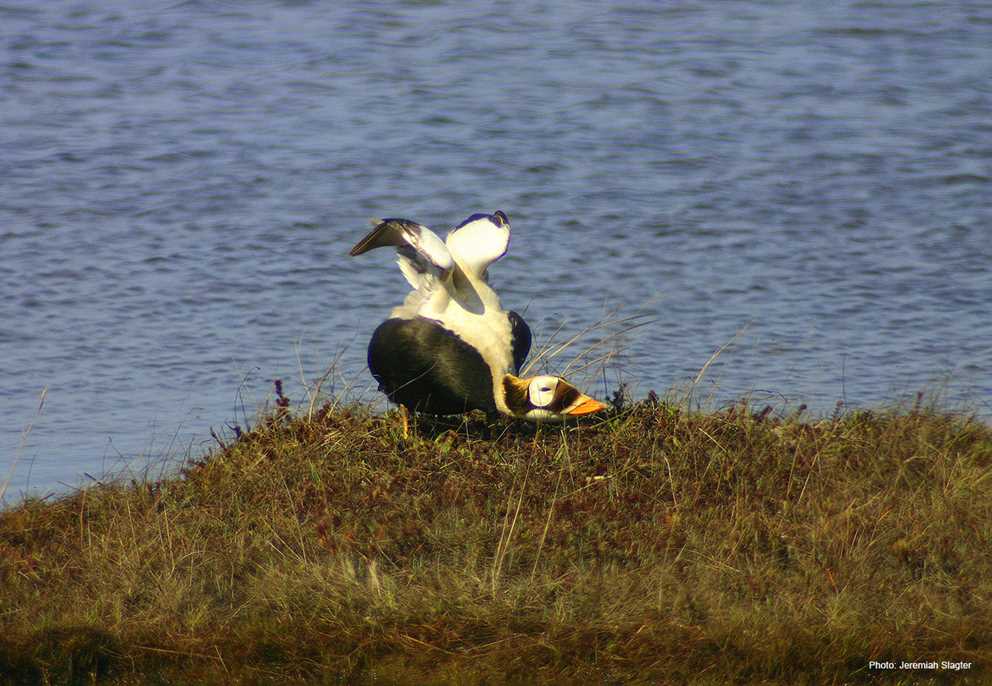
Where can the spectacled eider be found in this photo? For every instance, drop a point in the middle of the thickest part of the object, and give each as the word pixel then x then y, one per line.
pixel 450 347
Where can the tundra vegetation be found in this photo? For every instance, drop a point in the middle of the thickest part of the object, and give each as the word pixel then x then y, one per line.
pixel 652 544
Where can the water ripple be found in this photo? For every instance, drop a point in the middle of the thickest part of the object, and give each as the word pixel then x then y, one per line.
pixel 182 183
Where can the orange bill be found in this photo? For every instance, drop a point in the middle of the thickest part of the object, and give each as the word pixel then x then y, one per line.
pixel 585 405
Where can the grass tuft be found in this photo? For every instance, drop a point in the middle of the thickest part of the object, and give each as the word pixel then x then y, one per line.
pixel 652 545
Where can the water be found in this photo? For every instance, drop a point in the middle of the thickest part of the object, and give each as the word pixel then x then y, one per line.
pixel 181 183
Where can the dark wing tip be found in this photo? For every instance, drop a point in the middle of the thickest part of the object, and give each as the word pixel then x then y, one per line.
pixel 360 247
pixel 386 232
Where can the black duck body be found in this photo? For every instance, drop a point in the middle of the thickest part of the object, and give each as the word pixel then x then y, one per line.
pixel 421 365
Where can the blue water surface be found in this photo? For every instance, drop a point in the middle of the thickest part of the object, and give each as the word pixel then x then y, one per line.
pixel 180 184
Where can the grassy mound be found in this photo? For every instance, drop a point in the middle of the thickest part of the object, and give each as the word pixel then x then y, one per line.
pixel 651 546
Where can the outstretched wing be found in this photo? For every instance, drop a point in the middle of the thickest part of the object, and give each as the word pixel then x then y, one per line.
pixel 422 254
pixel 479 241
pixel 520 339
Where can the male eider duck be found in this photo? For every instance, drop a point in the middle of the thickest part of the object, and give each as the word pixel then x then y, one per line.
pixel 450 347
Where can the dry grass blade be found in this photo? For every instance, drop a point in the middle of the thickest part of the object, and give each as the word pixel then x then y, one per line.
pixel 22 443
pixel 506 535
pixel 614 325
pixel 545 349
pixel 611 340
pixel 717 353
pixel 551 508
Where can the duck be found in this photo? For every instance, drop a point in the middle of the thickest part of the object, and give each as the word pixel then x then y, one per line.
pixel 450 347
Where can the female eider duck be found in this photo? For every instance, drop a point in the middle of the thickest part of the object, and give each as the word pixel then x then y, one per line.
pixel 450 347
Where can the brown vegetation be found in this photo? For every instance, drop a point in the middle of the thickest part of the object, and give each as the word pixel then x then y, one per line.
pixel 654 545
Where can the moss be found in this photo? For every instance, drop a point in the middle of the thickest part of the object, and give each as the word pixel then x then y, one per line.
pixel 651 545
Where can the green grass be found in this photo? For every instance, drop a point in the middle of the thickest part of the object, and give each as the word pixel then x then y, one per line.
pixel 654 545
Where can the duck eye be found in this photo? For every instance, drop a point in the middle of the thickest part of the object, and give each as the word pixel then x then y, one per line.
pixel 545 390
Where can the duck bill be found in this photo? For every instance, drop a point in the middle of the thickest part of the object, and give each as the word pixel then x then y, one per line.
pixel 585 405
